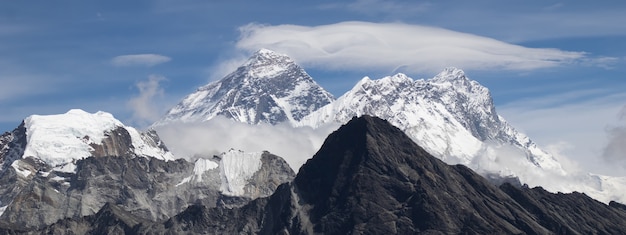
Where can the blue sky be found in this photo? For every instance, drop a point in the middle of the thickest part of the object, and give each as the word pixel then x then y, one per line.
pixel 555 69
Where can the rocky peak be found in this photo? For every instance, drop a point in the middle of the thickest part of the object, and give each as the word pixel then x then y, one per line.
pixel 367 169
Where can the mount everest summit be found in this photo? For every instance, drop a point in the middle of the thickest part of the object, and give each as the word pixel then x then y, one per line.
pixel 268 88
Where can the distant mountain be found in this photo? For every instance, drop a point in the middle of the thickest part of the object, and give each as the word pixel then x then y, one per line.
pixel 70 165
pixel 369 177
pixel 268 88
pixel 451 116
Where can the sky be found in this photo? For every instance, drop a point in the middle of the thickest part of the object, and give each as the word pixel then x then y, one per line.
pixel 555 68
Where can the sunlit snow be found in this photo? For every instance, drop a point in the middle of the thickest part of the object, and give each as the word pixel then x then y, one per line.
pixel 60 139
pixel 237 167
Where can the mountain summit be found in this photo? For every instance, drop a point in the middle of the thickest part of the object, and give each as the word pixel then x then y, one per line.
pixel 268 88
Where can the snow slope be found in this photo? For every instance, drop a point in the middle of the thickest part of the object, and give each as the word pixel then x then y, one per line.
pixel 237 167
pixel 58 140
pixel 449 115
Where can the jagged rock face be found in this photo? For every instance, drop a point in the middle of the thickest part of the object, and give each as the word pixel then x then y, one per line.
pixel 148 188
pixel 268 88
pixel 12 146
pixel 115 143
pixel 573 213
pixel 141 185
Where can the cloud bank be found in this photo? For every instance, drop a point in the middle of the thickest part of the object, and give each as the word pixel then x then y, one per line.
pixel 220 134
pixel 579 130
pixel 147 60
pixel 397 47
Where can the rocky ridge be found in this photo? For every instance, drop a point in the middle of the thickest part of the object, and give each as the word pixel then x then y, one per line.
pixel 92 159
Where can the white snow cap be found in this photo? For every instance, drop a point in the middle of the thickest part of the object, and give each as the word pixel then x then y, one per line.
pixel 63 138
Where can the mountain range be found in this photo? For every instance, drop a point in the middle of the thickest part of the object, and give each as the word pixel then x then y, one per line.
pixel 369 177
pixel 450 115
pixel 412 156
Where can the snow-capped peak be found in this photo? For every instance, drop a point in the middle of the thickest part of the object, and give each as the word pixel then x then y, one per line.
pixel 450 74
pixel 449 115
pixel 266 64
pixel 266 54
pixel 268 88
pixel 63 138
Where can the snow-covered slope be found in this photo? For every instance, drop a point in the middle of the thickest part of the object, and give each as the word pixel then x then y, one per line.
pixel 454 118
pixel 450 115
pixel 59 140
pixel 268 88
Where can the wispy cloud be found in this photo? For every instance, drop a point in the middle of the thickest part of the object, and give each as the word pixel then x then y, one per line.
pixel 147 60
pixel 144 106
pixel 397 47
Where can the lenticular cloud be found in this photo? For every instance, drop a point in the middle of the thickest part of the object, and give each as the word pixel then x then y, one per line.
pixel 396 47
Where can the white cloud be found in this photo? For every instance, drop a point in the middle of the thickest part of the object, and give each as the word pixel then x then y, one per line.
pixel 576 130
pixel 615 150
pixel 147 60
pixel 219 134
pixel 494 158
pixel 144 106
pixel 397 47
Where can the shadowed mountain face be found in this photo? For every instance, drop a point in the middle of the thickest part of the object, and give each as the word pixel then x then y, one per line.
pixel 370 178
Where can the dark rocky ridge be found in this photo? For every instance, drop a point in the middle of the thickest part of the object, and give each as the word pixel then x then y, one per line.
pixel 370 178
